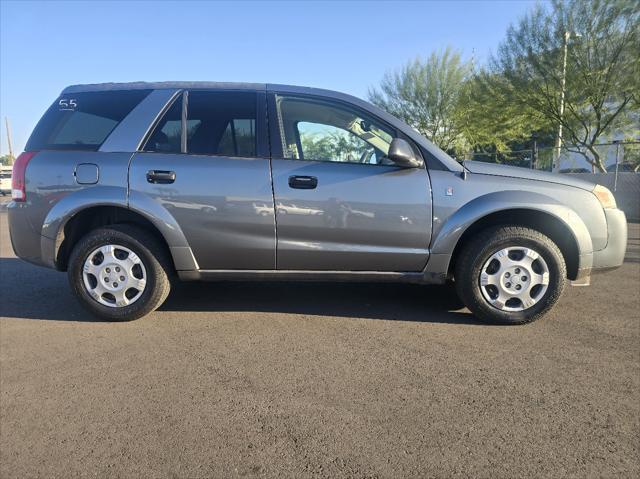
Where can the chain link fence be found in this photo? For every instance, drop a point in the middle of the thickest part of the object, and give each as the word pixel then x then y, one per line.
pixel 620 160
pixel 617 156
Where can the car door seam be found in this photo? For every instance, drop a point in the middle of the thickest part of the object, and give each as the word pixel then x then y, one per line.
pixel 273 193
pixel 128 192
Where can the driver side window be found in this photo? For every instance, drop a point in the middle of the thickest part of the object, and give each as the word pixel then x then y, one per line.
pixel 320 131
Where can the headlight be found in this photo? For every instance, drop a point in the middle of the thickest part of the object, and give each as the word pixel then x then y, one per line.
pixel 604 196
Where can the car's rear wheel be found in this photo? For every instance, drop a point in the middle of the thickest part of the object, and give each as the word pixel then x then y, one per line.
pixel 510 275
pixel 119 272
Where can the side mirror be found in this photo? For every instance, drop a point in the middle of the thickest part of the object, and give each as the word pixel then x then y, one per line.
pixel 401 153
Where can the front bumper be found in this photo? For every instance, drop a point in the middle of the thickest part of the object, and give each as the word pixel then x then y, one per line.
pixel 612 256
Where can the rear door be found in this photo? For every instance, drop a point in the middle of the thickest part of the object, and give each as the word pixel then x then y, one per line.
pixel 207 163
pixel 341 204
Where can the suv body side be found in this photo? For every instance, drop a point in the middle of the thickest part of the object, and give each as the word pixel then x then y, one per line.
pixel 63 184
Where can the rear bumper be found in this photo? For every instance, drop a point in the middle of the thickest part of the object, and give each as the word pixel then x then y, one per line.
pixel 26 243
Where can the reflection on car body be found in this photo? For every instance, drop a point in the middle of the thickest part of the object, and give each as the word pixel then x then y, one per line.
pixel 292 209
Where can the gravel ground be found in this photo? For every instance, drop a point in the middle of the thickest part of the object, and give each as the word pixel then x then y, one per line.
pixel 317 380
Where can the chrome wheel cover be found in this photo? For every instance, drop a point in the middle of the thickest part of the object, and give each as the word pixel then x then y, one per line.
pixel 114 276
pixel 514 278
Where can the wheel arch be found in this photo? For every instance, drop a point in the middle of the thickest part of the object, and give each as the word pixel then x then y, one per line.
pixel 87 219
pixel 519 208
pixel 549 225
pixel 101 206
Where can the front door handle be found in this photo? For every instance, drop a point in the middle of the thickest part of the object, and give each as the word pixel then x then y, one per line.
pixel 303 182
pixel 161 176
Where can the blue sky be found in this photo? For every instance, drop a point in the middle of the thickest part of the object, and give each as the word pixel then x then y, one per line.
pixel 344 46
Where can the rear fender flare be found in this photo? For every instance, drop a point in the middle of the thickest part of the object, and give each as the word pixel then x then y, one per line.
pixel 74 203
pixel 163 220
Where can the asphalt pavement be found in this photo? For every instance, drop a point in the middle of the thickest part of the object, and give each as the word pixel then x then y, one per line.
pixel 317 380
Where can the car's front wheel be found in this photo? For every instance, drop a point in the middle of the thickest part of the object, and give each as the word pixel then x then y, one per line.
pixel 510 275
pixel 119 272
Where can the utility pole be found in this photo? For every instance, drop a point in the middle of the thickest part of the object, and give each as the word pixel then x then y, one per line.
pixel 558 145
pixel 534 151
pixel 6 122
pixel 615 179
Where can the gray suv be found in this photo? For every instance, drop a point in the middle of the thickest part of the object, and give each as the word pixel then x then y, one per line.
pixel 128 186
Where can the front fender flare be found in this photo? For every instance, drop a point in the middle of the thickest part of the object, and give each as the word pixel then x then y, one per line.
pixel 447 237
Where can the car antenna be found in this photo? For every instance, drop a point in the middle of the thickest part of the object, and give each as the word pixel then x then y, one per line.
pixel 463 175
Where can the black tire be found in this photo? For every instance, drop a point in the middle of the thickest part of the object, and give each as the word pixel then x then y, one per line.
pixel 150 251
pixel 477 252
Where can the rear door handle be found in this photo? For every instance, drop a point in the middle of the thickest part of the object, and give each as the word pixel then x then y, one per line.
pixel 303 182
pixel 161 176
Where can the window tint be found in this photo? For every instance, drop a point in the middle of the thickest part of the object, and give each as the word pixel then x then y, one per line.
pixel 166 137
pixel 239 138
pixel 218 123
pixel 83 121
pixel 221 123
pixel 315 130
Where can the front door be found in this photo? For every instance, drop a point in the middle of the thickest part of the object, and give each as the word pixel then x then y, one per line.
pixel 206 163
pixel 341 204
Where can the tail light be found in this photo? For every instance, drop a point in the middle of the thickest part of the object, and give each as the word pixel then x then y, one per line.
pixel 18 180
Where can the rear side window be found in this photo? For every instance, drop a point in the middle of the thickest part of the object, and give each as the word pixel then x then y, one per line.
pixel 167 135
pixel 83 121
pixel 218 123
pixel 239 138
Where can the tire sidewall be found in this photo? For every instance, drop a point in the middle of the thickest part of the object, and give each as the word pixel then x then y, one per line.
pixel 95 240
pixel 471 289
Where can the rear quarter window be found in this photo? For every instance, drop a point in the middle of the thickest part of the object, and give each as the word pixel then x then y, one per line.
pixel 83 121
